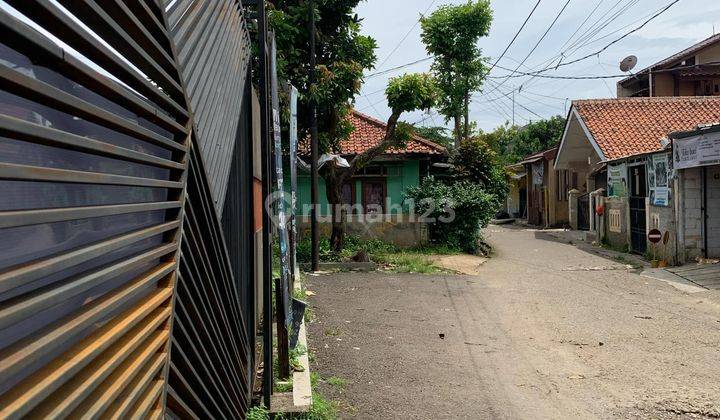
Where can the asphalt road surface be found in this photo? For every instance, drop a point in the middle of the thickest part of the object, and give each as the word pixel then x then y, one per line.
pixel 546 331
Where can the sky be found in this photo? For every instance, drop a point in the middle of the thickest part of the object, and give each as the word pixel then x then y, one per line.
pixel 391 21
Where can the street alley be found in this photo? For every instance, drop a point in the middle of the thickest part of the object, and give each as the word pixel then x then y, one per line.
pixel 547 330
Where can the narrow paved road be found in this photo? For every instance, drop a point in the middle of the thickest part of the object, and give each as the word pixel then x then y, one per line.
pixel 546 331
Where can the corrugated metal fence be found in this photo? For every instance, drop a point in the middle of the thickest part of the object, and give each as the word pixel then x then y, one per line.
pixel 120 125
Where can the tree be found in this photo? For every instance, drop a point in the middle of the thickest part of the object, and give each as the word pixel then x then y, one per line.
pixel 451 35
pixel 515 143
pixel 438 135
pixel 476 161
pixel 405 93
pixel 343 54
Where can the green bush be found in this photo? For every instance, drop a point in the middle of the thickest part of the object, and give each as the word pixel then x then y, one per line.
pixel 459 210
pixel 475 161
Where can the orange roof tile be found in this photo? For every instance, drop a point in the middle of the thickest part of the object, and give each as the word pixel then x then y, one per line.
pixel 630 126
pixel 369 132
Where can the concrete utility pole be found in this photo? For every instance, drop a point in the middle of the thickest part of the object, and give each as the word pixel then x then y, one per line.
pixel 313 149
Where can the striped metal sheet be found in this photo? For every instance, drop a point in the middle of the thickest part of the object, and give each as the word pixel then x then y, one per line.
pixel 119 295
pixel 213 47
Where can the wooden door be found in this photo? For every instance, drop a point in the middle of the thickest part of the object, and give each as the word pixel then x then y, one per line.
pixel 374 193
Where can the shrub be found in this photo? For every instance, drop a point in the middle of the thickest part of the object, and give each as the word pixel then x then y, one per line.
pixel 474 160
pixel 459 210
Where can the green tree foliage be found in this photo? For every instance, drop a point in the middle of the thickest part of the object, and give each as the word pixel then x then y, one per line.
pixel 459 209
pixel 475 191
pixel 475 161
pixel 438 135
pixel 514 143
pixel 343 54
pixel 451 35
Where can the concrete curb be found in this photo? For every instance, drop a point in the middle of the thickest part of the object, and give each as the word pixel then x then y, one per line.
pixel 672 279
pixel 300 399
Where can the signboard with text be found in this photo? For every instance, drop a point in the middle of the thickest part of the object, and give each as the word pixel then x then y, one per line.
pixel 702 150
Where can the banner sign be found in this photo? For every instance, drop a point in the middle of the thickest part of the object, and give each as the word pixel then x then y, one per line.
pixel 282 221
pixel 617 180
pixel 659 178
pixel 293 180
pixel 696 151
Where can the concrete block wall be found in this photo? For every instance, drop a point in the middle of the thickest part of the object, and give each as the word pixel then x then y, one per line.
pixel 691 219
pixel 617 239
pixel 663 219
pixel 396 229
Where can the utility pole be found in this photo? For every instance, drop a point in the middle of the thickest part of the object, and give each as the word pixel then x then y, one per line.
pixel 266 233
pixel 313 148
pixel 513 97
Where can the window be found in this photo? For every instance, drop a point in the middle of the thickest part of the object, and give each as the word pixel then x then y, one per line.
pixel 614 221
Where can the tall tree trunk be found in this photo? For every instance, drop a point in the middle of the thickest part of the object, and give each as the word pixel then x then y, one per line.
pixel 458 129
pixel 334 180
pixel 466 134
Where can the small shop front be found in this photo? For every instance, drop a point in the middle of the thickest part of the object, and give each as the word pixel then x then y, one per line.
pixel 696 158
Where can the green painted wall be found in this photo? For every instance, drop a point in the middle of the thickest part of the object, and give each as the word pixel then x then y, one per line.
pixel 400 176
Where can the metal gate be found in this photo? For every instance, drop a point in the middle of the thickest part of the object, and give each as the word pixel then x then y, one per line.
pixel 638 215
pixel 583 212
pixel 122 288
pixel 638 225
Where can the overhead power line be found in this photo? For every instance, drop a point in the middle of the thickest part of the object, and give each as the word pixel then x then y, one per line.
pixel 603 49
pixel 406 36
pixel 514 37
pixel 400 67
pixel 538 42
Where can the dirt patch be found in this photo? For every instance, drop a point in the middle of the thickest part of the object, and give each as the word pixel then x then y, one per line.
pixel 462 264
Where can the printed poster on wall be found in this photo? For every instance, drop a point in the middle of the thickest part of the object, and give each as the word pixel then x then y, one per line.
pixel 696 151
pixel 617 180
pixel 293 179
pixel 659 179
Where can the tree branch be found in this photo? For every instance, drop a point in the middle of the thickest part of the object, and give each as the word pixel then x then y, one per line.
pixel 359 161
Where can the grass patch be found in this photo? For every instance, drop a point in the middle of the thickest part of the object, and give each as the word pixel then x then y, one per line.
pixel 333 332
pixel 409 262
pixel 337 382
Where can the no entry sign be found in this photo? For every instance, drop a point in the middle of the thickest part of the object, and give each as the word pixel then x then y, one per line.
pixel 655 236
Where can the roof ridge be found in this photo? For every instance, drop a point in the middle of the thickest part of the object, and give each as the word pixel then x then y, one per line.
pixel 649 99
pixel 415 137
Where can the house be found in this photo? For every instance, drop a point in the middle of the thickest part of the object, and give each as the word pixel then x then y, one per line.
pixel 516 201
pixel 376 190
pixel 625 136
pixel 696 161
pixel 546 189
pixel 694 71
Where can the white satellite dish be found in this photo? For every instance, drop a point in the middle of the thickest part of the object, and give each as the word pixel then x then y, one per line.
pixel 628 63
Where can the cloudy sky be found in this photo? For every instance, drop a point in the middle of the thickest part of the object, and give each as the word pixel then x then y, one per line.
pixel 389 21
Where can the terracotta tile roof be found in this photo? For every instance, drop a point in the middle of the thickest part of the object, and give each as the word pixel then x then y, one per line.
pixel 370 132
pixel 630 126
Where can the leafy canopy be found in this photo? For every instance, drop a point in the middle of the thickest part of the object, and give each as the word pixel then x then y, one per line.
pixel 474 160
pixel 343 54
pixel 514 143
pixel 411 92
pixel 438 135
pixel 451 35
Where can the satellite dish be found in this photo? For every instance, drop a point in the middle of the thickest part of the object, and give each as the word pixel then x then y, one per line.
pixel 628 63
